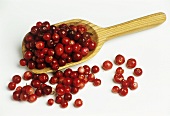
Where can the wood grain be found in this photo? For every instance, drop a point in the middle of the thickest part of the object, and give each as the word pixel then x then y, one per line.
pixel 100 35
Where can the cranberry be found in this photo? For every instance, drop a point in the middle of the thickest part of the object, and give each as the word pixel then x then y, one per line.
pixel 69 59
pixel 28 55
pixel 95 69
pixel 74 74
pixel 19 88
pixel 67 89
pixel 64 56
pixel 41 65
pixel 11 85
pixel 60 91
pixel 77 56
pixel 28 38
pixel 47 90
pixel 84 51
pixel 59 49
pixel 62 33
pixel 133 86
pixel 119 59
pixel 74 90
pixel 32 98
pixel 28 75
pixel 67 96
pixel 29 90
pixel 118 78
pixel 55 37
pixel 67 81
pixel 46 24
pixel 55 66
pixel 50 102
pixel 92 45
pixel 31 64
pixel 81 70
pixel 82 84
pixel 23 62
pixel 16 95
pixel 16 79
pixel 68 49
pixel 97 82
pixel 59 73
pixel 76 47
pixel 48 59
pixel 43 77
pixel 137 71
pixel 107 65
pixel 62 62
pixel 87 69
pixel 65 40
pixel 123 91
pixel 35 83
pixel 58 99
pixel 64 104
pixel 78 103
pixel 39 92
pixel 23 97
pixel 39 24
pixel 130 79
pixel 115 89
pixel 131 63
pixel 50 52
pixel 81 28
pixel 91 77
pixel 119 70
pixel 47 36
pixel 53 80
pixel 77 36
pixel 50 44
pixel 34 30
pixel 125 83
pixel 76 82
pixel 40 45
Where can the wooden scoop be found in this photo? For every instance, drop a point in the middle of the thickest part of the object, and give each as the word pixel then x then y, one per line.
pixel 100 35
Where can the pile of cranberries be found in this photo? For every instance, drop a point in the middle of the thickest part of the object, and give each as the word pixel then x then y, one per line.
pixel 67 83
pixel 119 78
pixel 54 46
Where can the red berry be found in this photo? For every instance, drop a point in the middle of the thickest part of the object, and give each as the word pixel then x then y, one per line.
pixel 47 36
pixel 27 75
pixel 29 90
pixel 81 70
pixel 28 55
pixel 95 69
pixel 50 102
pixel 131 63
pixel 43 77
pixel 130 79
pixel 32 98
pixel 91 77
pixel 36 83
pixel 23 97
pixel 64 104
pixel 115 89
pixel 137 71
pixel 67 96
pixel 59 49
pixel 11 85
pixel 47 90
pixel 123 91
pixel 133 86
pixel 60 91
pixel 119 59
pixel 23 62
pixel 74 90
pixel 40 45
pixel 119 70
pixel 125 83
pixel 118 78
pixel 58 99
pixel 107 65
pixel 16 79
pixel 78 103
pixel 16 95
pixel 97 82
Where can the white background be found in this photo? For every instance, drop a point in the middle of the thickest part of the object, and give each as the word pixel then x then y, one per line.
pixel 150 48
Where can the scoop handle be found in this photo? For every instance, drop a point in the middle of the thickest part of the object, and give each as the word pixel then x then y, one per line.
pixel 135 25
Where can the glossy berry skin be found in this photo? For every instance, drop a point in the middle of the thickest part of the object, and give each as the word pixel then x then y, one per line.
pixel 50 102
pixel 107 65
pixel 16 79
pixel 36 83
pixel 119 59
pixel 115 89
pixel 74 90
pixel 87 69
pixel 23 97
pixel 40 45
pixel 133 86
pixel 137 72
pixel 77 56
pixel 78 103
pixel 118 78
pixel 29 90
pixel 47 36
pixel 64 104
pixel 67 96
pixel 28 55
pixel 58 99
pixel 27 75
pixel 11 85
pixel 97 82
pixel 60 91
pixel 130 79
pixel 32 98
pixel 16 95
pixel 131 63
pixel 23 62
pixel 47 90
pixel 95 69
pixel 119 70
pixel 91 77
pixel 123 91
pixel 43 77
pixel 125 83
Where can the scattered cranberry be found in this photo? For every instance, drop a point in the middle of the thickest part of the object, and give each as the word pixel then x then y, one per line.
pixel 118 78
pixel 133 86
pixel 11 85
pixel 27 75
pixel 130 79
pixel 50 102
pixel 119 70
pixel 97 82
pixel 23 62
pixel 137 72
pixel 107 65
pixel 64 104
pixel 32 98
pixel 123 91
pixel 16 79
pixel 131 63
pixel 58 99
pixel 95 69
pixel 16 95
pixel 115 89
pixel 119 59
pixel 78 103
pixel 67 96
